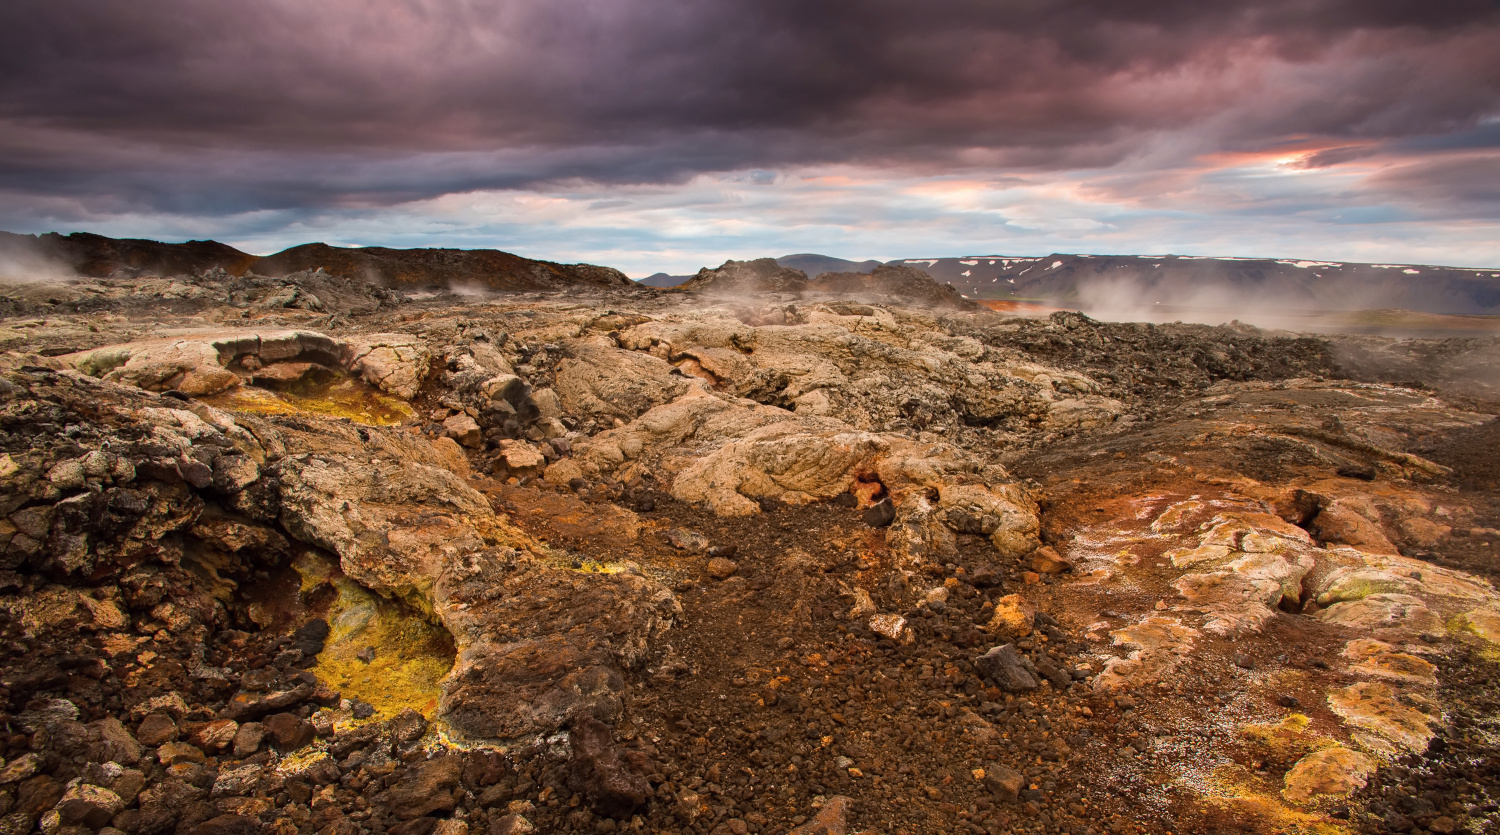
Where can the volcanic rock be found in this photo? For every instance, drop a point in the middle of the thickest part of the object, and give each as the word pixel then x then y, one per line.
pixel 512 824
pixel 1045 560
pixel 156 729
pixel 747 278
pixel 1014 616
pixel 1004 783
pixel 430 787
pixel 89 806
pixel 289 730
pixel 881 514
pixel 831 819
pixel 1008 669
pixel 463 429
pixel 1330 771
pixel 172 753
pixel 596 770
pixel 889 282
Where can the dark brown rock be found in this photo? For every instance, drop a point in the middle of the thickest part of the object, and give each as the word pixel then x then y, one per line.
pixel 832 819
pixel 431 786
pixel 114 742
pixel 1046 560
pixel 253 705
pixel 408 726
pixel 128 822
pixel 532 686
pixel 597 770
pixel 311 636
pixel 1003 782
pixel 248 738
pixel 343 826
pixel 170 793
pixel 1007 668
pixel 237 782
pixel 89 806
pixel 128 785
pixel 511 825
pixel 415 826
pixel 289 730
pixel 178 752
pixel 38 794
pixel 228 825
pixel 68 738
pixel 216 735
pixel 881 514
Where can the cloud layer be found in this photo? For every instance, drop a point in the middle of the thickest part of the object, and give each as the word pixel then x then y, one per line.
pixel 252 120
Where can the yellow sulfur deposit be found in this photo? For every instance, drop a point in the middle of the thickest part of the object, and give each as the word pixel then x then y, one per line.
pixel 1285 742
pixel 344 399
pixel 408 656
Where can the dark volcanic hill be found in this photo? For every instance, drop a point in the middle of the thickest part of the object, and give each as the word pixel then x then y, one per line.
pixel 814 264
pixel 766 275
pixel 808 263
pixel 97 257
pixel 662 281
pixel 442 267
pixel 763 275
pixel 1102 281
pixel 889 282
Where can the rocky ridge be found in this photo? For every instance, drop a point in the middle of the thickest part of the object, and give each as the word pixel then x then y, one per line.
pixel 95 256
pixel 1265 286
pixel 704 562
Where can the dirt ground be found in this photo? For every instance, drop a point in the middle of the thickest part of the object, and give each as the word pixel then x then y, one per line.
pixel 775 685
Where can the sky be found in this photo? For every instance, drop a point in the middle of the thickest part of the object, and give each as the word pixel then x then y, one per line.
pixel 666 135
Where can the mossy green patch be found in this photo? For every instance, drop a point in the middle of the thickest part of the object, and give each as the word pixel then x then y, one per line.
pixel 1484 623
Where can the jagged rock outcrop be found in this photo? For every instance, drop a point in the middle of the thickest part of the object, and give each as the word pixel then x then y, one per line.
pixel 227 493
pixel 597 379
pixel 199 364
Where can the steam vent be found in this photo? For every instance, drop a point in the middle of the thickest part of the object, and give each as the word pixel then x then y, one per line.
pixel 759 554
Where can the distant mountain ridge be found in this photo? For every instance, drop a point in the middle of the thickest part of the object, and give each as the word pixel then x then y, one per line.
pixel 98 257
pixel 815 265
pixel 809 263
pixel 662 281
pixel 1264 283
pixel 1131 286
pixel 1142 282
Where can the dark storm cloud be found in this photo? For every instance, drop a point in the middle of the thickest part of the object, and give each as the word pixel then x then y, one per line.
pixel 190 106
pixel 1458 186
